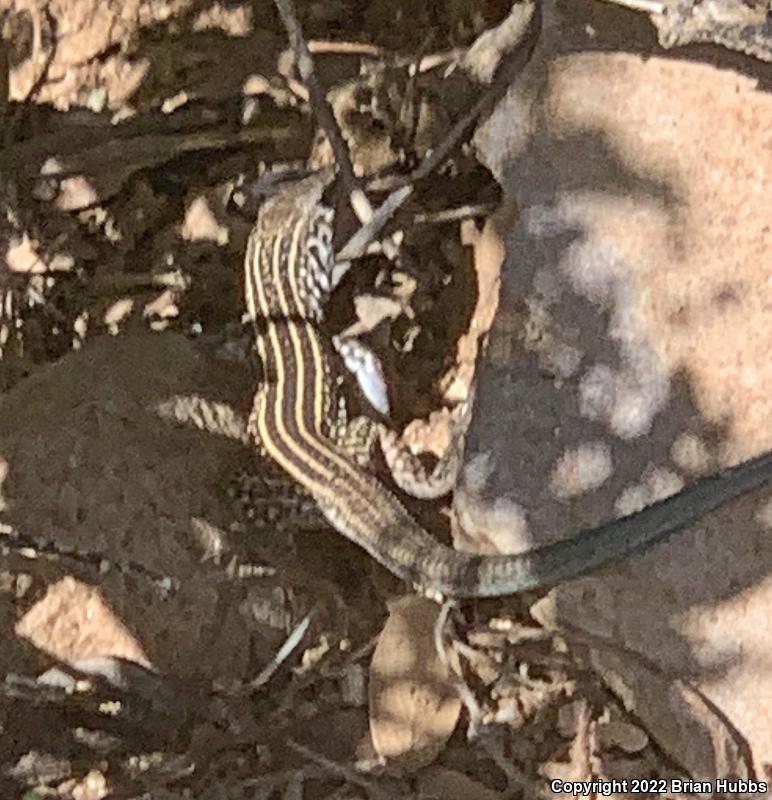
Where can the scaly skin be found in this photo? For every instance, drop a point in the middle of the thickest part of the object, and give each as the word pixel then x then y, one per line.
pixel 288 271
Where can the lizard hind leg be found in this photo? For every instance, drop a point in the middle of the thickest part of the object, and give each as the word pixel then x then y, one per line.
pixel 357 437
pixel 409 473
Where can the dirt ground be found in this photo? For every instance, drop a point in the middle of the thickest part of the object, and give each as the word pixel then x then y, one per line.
pixel 143 606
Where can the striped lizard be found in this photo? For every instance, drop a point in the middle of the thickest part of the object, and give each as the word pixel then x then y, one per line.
pixel 290 271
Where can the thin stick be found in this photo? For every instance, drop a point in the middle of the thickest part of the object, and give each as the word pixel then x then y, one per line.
pixel 342 770
pixel 649 6
pixel 458 134
pixel 454 214
pixel 465 694
pixel 292 641
pixel 172 279
pixel 487 101
pixel 325 46
pixel 425 63
pixel 357 245
pixel 464 127
pixel 318 97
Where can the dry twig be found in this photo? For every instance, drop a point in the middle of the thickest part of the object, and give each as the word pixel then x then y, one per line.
pixel 458 134
pixel 465 694
pixel 292 641
pixel 318 96
pixel 342 770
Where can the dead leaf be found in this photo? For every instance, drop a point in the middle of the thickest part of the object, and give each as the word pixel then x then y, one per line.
pixel 201 225
pixel 414 707
pixel 92 787
pixel 76 192
pixel 117 313
pixel 164 306
pixel 371 310
pixel 22 255
pixel 432 435
pixel 624 735
pixel 73 621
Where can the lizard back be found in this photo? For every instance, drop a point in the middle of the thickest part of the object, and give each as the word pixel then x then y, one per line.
pixel 288 275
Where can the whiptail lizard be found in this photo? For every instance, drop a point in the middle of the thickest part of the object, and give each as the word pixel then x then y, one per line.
pixel 290 271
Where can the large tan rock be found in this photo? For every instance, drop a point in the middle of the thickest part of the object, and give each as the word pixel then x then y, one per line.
pixel 632 353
